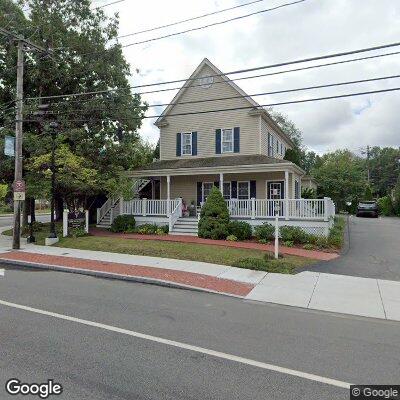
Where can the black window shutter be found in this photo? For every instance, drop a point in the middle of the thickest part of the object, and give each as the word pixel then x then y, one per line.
pixel 216 184
pixel 178 145
pixel 194 143
pixel 236 140
pixel 253 189
pixel 199 193
pixel 234 190
pixel 218 141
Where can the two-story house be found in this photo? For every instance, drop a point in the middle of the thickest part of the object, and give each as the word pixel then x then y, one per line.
pixel 213 133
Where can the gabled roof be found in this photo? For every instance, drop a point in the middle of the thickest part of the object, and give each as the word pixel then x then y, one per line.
pixel 252 102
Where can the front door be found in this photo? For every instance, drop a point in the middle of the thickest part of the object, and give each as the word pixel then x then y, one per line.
pixel 275 191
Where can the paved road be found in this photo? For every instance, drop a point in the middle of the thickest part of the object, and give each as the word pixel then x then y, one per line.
pixel 373 250
pixel 97 363
pixel 8 221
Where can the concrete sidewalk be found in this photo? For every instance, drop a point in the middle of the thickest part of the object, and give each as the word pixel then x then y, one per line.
pixel 314 290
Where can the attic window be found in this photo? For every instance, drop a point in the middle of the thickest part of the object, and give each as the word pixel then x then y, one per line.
pixel 206 81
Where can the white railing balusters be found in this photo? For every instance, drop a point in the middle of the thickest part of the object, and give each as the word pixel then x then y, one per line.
pixel 175 213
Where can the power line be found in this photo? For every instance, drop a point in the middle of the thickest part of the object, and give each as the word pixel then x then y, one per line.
pixel 235 79
pixel 189 19
pixel 250 95
pixel 231 72
pixel 108 4
pixel 215 23
pixel 259 107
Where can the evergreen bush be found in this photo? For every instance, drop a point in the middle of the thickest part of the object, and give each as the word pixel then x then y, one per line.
pixel 214 217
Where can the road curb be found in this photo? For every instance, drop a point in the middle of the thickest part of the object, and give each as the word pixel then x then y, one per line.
pixel 110 275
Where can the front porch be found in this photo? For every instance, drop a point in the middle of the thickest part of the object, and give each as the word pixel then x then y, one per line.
pixel 313 215
pixel 255 188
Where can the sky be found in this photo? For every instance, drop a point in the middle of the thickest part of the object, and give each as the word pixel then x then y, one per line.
pixel 307 29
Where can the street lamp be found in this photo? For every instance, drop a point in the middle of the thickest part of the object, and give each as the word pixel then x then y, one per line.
pixel 53 130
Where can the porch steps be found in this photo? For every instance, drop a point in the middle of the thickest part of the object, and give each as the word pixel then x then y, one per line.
pixel 105 222
pixel 185 226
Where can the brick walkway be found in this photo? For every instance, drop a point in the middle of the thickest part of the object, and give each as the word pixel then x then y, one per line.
pixel 180 277
pixel 313 254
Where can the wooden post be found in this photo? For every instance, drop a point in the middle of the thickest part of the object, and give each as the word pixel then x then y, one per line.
pixel 168 195
pixel 144 207
pixel 65 223
pixel 286 195
pixel 98 215
pixel 253 208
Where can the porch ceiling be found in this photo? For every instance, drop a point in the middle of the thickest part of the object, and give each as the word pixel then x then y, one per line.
pixel 215 165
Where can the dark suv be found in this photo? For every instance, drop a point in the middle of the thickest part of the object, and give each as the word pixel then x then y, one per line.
pixel 367 208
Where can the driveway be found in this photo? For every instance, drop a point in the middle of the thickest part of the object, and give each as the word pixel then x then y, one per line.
pixel 372 250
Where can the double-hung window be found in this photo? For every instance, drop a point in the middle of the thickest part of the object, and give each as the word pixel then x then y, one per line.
pixel 227 141
pixel 227 191
pixel 207 186
pixel 271 145
pixel 187 144
pixel 243 190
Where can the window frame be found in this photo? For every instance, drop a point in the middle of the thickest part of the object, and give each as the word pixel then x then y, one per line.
pixel 230 190
pixel 203 198
pixel 232 141
pixel 183 144
pixel 248 190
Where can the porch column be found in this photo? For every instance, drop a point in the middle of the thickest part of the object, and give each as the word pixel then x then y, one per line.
pixel 286 195
pixel 221 183
pixel 168 195
pixel 293 186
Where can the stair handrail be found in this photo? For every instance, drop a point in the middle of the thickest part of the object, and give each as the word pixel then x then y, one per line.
pixel 103 210
pixel 175 214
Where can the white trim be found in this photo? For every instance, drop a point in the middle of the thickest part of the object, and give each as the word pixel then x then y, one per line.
pixel 191 143
pixel 274 181
pixel 230 189
pixel 248 189
pixel 202 190
pixel 222 140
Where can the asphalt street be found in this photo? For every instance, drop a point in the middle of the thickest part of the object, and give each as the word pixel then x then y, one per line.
pixel 8 221
pixel 92 362
pixel 372 250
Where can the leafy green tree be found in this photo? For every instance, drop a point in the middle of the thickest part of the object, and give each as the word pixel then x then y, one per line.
pixel 396 195
pixel 368 195
pixel 308 193
pixel 3 192
pixel 341 177
pixel 98 132
pixel 384 164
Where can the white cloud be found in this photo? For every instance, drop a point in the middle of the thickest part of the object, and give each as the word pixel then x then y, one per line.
pixel 304 30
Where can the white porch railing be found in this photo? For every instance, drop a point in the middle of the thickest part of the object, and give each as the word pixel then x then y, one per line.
pixel 145 207
pixel 307 209
pixel 175 214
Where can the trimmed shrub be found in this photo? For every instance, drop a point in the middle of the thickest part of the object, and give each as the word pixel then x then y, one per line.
pixel 147 229
pixel 336 233
pixel 308 246
pixel 265 232
pixel 232 238
pixel 214 217
pixel 293 234
pixel 262 264
pixel 385 206
pixel 242 230
pixel 123 223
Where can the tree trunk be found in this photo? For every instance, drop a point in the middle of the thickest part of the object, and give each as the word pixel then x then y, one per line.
pixel 25 212
pixel 33 211
pixel 59 208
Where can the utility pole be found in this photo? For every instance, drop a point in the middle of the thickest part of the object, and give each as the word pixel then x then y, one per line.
pixel 18 143
pixel 19 187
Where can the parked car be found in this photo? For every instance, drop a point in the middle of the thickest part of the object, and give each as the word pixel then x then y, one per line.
pixel 367 208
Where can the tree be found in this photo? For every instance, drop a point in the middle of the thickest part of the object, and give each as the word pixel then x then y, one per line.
pixel 214 217
pixel 368 195
pixel 384 165
pixel 396 195
pixel 98 132
pixel 340 177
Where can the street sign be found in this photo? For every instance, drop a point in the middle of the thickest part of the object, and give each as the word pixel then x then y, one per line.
pixel 9 146
pixel 19 196
pixel 19 186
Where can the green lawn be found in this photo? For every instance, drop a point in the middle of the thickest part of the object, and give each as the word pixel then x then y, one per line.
pixel 241 258
pixel 186 251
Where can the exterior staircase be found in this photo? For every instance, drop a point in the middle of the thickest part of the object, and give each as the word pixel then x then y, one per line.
pixel 185 226
pixel 105 222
